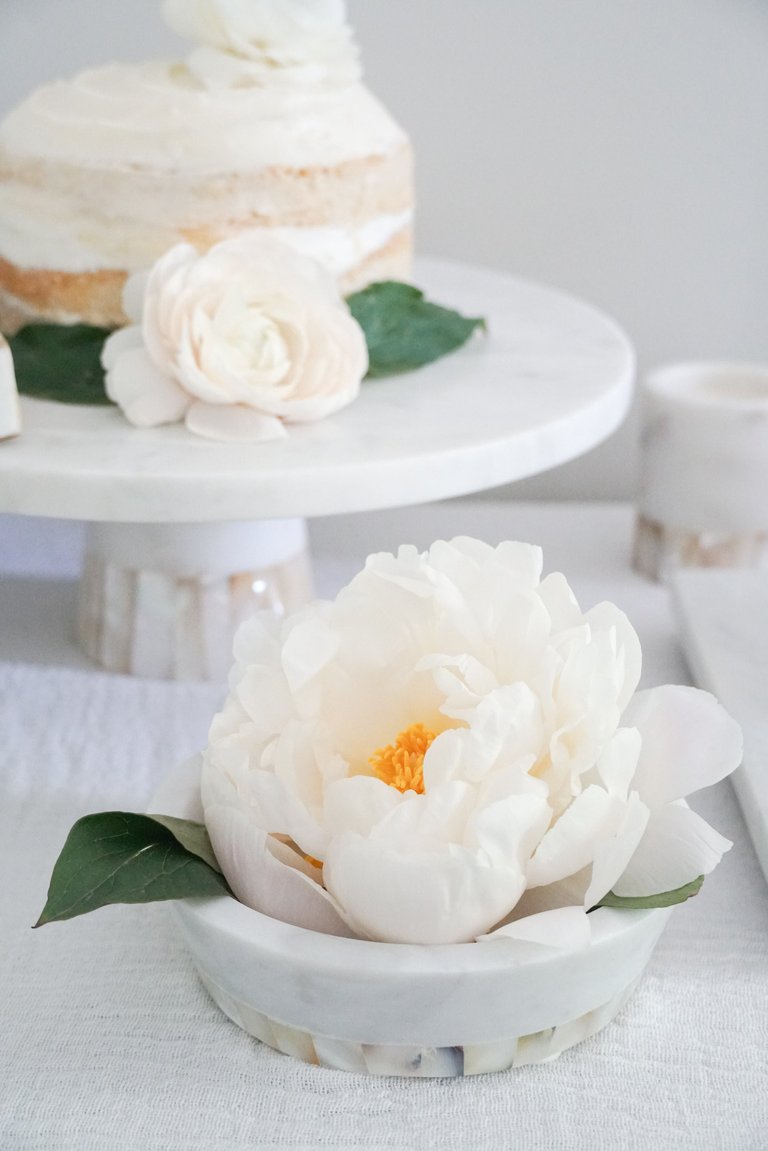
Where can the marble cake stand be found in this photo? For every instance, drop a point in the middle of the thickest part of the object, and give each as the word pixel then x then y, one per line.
pixel 186 537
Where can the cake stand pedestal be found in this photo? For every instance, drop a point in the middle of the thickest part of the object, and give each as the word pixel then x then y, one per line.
pixel 188 537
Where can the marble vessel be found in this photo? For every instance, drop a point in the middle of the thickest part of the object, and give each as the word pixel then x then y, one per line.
pixel 704 469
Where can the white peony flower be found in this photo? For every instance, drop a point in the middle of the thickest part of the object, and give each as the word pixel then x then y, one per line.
pixel 235 342
pixel 450 746
pixel 10 413
pixel 260 42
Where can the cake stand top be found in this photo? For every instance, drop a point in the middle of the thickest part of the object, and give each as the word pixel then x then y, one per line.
pixel 551 380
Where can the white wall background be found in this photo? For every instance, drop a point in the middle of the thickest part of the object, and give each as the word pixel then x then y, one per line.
pixel 617 149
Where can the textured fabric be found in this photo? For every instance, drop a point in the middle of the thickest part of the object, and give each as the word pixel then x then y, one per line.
pixel 109 1043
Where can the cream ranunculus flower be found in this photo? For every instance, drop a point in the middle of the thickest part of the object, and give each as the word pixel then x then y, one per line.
pixel 235 342
pixel 260 42
pixel 453 745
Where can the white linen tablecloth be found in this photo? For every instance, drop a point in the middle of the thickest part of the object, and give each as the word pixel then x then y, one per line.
pixel 108 1042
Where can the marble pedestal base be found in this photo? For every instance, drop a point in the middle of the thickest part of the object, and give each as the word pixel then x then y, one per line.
pixel 164 601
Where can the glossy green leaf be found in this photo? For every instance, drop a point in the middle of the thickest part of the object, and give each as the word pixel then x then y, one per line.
pixel 404 331
pixel 119 857
pixel 60 362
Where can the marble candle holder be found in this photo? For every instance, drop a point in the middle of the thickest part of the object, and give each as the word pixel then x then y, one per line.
pixel 10 413
pixel 396 1009
pixel 704 469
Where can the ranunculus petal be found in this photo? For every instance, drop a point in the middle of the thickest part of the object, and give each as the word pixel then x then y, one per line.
pixel 119 342
pixel 678 846
pixel 563 929
pixel 419 896
pixel 233 424
pixel 146 396
pixel 689 742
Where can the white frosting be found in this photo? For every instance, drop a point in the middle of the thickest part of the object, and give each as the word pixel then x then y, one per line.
pixel 159 116
pixel 342 249
pixel 261 42
pixel 39 230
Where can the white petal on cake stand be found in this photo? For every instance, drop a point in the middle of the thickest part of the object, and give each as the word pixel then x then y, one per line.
pixel 10 412
pixel 552 379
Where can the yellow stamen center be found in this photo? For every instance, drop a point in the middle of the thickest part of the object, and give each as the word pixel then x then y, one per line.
pixel 401 764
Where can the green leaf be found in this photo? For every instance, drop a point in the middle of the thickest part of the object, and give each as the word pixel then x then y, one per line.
pixel 642 902
pixel 60 362
pixel 118 857
pixel 404 331
pixel 191 835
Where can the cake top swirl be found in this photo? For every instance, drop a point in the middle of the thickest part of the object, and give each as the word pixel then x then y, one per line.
pixel 260 43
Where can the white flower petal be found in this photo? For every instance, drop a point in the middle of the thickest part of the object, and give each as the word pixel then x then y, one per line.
pixel 309 646
pixel 232 424
pixel 123 340
pixel 570 844
pixel 689 742
pixel 10 411
pixel 358 804
pixel 509 830
pixel 146 396
pixel 563 929
pixel 607 617
pixel 560 602
pixel 264 882
pixel 417 897
pixel 612 855
pixel 617 764
pixel 678 846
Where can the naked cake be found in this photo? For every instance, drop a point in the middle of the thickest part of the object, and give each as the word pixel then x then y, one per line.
pixel 266 125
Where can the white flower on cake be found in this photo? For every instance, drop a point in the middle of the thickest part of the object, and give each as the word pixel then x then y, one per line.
pixel 453 745
pixel 10 414
pixel 260 42
pixel 236 342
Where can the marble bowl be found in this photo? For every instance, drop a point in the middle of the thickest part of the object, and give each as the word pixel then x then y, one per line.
pixel 394 1009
